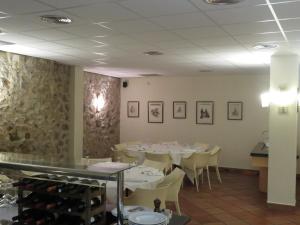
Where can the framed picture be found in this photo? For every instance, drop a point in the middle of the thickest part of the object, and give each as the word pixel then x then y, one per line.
pixel 133 109
pixel 155 112
pixel 205 112
pixel 235 110
pixel 179 110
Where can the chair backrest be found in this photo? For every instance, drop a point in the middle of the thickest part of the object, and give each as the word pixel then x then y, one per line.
pixel 197 160
pixel 202 146
pixel 126 158
pixel 121 147
pixel 173 181
pixel 214 156
pixel 146 197
pixel 133 143
pixel 154 164
pixel 163 158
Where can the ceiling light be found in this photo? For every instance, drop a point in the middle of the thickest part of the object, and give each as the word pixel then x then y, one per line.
pixel 150 75
pixel 153 53
pixel 56 19
pixel 222 2
pixel 265 46
pixel 6 43
pixel 205 71
pixel 2 32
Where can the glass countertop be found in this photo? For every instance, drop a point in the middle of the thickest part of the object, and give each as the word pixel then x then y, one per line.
pixel 31 163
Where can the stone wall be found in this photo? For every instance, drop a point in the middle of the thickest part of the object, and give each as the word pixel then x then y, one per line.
pixel 101 129
pixel 34 106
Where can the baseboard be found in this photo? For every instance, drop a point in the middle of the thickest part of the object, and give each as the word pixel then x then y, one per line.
pixel 281 206
pixel 249 172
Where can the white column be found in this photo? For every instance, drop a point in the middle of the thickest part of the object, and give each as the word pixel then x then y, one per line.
pixel 76 114
pixel 283 133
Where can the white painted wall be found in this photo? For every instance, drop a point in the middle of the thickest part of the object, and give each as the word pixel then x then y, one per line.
pixel 237 138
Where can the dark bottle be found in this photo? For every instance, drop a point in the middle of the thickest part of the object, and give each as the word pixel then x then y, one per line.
pixel 55 187
pixel 78 190
pixel 26 213
pixel 95 219
pixel 23 182
pixel 95 202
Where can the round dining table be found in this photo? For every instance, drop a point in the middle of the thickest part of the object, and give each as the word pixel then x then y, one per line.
pixel 176 151
pixel 135 177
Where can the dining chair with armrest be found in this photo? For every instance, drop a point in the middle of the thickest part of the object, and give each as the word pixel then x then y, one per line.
pixel 163 158
pixel 195 165
pixel 214 160
pixel 146 197
pixel 154 164
pixel 173 181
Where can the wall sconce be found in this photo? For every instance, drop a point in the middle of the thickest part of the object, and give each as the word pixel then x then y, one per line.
pixel 281 98
pixel 98 102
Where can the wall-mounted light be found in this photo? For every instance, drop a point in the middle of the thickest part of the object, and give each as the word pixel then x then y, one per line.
pixel 98 102
pixel 281 98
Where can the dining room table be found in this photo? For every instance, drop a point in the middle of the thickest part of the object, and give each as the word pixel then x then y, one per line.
pixel 138 176
pixel 175 150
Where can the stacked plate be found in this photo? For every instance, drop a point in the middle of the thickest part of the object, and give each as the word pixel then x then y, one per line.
pixel 147 218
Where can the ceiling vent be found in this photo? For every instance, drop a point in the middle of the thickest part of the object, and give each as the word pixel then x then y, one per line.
pixel 153 53
pixel 56 19
pixel 262 46
pixel 150 75
pixel 222 2
pixel 5 43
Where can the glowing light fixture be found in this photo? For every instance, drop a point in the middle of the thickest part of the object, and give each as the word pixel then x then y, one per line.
pixel 281 98
pixel 98 103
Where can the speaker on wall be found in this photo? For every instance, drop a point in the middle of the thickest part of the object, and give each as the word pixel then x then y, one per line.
pixel 125 84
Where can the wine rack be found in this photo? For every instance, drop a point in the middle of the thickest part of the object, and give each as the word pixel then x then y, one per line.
pixel 79 203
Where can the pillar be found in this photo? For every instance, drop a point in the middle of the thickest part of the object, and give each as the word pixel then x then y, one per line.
pixel 76 114
pixel 283 132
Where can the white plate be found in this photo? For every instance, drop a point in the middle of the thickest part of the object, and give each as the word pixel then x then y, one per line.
pixel 131 209
pixel 147 218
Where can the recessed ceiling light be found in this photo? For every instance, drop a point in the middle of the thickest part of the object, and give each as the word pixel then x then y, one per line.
pixel 56 19
pixel 265 46
pixel 222 2
pixel 205 71
pixel 150 75
pixel 153 53
pixel 6 43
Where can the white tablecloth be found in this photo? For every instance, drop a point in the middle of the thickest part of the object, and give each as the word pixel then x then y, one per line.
pixel 176 151
pixel 136 177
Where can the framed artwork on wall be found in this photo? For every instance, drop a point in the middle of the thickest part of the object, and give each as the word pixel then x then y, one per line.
pixel 235 110
pixel 155 112
pixel 179 110
pixel 205 112
pixel 133 109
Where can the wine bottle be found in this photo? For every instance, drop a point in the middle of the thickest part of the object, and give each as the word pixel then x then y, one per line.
pixel 55 187
pixel 23 215
pixel 95 219
pixel 23 182
pixel 95 202
pixel 77 190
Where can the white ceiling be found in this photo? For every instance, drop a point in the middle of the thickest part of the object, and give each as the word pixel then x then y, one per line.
pixel 110 36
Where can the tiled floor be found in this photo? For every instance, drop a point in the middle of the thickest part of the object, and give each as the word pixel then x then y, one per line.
pixel 235 202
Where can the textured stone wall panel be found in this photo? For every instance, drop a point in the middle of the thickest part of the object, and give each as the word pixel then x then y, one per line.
pixel 101 129
pixel 34 106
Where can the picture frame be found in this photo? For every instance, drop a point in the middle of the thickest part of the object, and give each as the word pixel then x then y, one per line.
pixel 205 112
pixel 155 111
pixel 235 110
pixel 179 109
pixel 133 109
